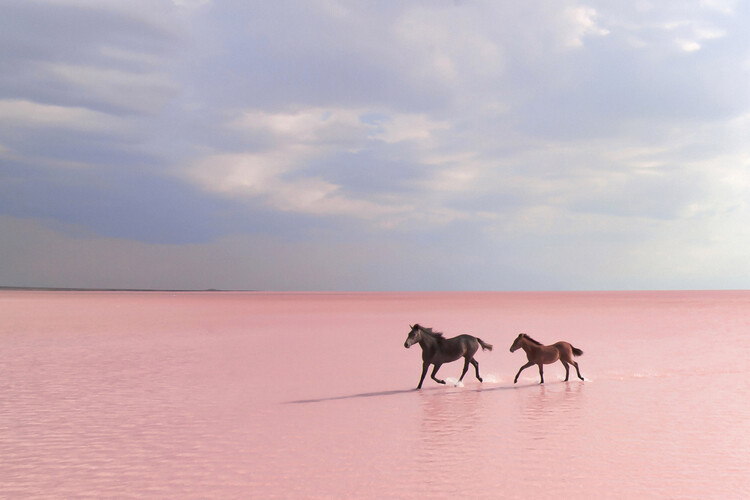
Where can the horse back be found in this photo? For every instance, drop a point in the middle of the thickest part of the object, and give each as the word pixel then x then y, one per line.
pixel 457 347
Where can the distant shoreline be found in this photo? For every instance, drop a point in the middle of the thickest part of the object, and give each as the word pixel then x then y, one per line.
pixel 73 289
pixel 203 290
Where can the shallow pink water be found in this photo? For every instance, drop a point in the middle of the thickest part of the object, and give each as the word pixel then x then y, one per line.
pixel 225 395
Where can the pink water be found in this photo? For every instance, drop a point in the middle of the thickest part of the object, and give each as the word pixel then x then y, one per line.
pixel 231 395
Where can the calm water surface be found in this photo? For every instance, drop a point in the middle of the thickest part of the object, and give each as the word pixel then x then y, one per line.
pixel 228 395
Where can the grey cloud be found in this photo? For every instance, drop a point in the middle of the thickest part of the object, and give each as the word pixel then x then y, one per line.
pixel 368 172
pixel 83 56
pixel 275 55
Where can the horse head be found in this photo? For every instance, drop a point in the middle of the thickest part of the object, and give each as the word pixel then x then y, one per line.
pixel 415 335
pixel 517 343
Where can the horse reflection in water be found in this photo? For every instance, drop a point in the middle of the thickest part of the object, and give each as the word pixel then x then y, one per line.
pixel 437 350
pixel 541 355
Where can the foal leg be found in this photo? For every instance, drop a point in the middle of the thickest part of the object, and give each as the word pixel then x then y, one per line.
pixel 575 363
pixel 541 372
pixel 476 367
pixel 434 371
pixel 425 365
pixel 530 363
pixel 567 369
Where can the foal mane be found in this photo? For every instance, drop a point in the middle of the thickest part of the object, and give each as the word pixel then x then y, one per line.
pixel 429 331
pixel 531 340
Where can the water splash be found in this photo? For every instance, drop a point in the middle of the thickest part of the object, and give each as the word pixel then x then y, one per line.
pixel 454 382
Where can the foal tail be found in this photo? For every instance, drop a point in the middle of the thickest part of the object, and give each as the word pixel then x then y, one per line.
pixel 485 345
pixel 576 351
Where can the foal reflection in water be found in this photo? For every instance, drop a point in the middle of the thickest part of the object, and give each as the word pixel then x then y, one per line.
pixel 541 355
pixel 437 350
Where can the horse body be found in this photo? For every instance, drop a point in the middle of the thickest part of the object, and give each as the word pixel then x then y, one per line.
pixel 538 354
pixel 437 350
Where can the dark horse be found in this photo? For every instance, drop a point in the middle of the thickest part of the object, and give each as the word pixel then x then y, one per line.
pixel 539 354
pixel 437 350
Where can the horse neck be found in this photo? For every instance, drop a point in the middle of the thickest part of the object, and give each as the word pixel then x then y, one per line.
pixel 427 340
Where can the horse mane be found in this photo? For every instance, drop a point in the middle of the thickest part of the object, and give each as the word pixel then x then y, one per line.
pixel 429 331
pixel 531 340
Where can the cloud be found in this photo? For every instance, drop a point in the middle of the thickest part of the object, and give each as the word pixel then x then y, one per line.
pixel 115 65
pixel 582 23
pixel 24 113
pixel 408 127
pixel 461 144
pixel 114 89
pixel 277 173
pixel 191 4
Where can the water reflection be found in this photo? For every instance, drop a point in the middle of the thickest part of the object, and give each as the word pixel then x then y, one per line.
pixel 548 412
pixel 448 421
pixel 557 400
pixel 447 415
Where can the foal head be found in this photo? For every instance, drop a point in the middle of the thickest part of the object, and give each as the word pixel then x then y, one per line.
pixel 524 339
pixel 415 335
pixel 517 344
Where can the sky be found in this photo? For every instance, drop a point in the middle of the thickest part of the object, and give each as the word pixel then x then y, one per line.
pixel 331 145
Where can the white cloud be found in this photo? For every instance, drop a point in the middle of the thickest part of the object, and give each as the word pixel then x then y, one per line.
pixel 582 22
pixel 319 128
pixel 260 176
pixel 277 175
pixel 694 34
pixel 252 174
pixel 347 128
pixel 726 7
pixel 688 45
pixel 408 127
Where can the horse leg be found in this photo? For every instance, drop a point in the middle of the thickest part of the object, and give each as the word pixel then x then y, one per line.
pixel 434 371
pixel 476 367
pixel 541 372
pixel 466 368
pixel 567 369
pixel 575 363
pixel 425 365
pixel 530 363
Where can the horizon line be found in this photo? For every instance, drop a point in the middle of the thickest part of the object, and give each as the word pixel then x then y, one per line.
pixel 178 290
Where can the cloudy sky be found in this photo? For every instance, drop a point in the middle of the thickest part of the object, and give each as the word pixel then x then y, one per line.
pixel 371 145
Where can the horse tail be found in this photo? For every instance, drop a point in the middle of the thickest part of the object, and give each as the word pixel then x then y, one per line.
pixel 485 345
pixel 576 351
